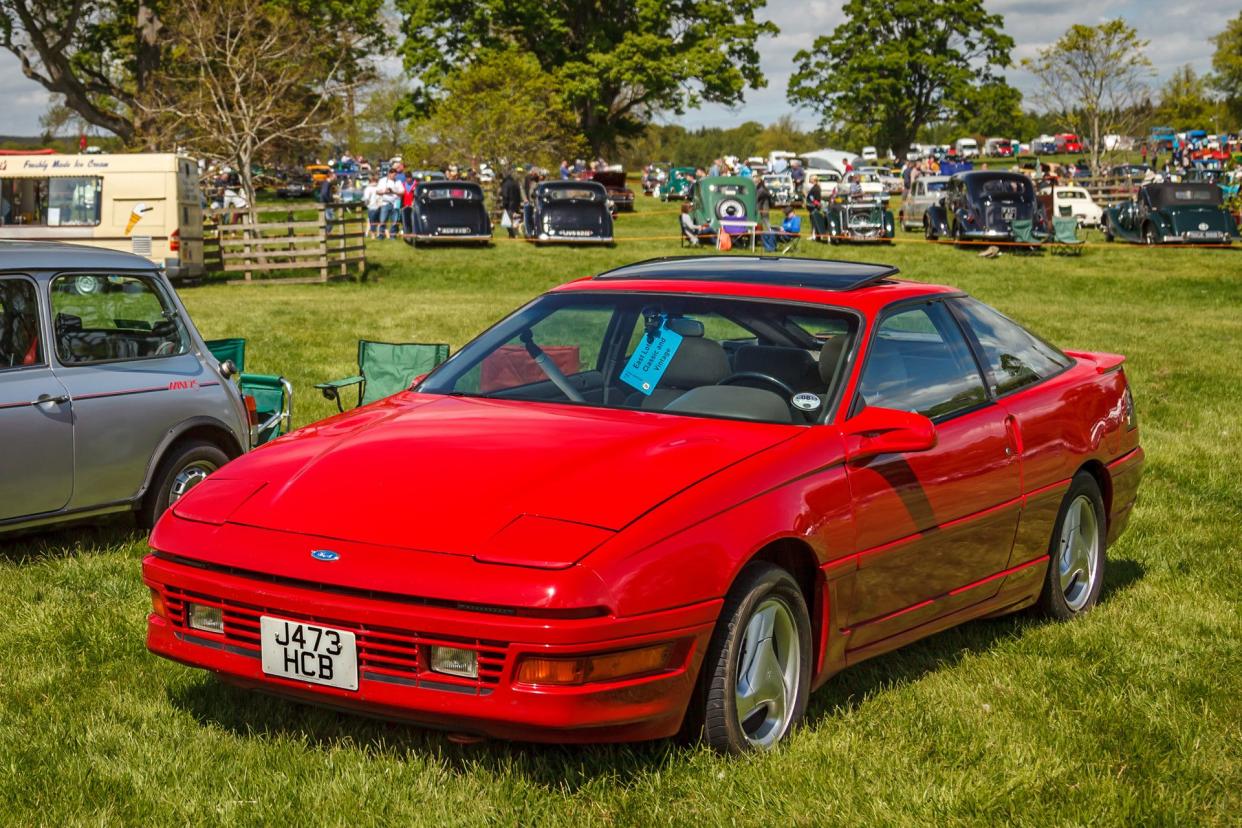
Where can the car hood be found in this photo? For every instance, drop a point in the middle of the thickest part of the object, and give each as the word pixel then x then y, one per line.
pixel 448 474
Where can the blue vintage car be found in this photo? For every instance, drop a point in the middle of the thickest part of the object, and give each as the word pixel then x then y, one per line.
pixel 1190 212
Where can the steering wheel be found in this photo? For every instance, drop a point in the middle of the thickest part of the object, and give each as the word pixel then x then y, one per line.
pixel 756 375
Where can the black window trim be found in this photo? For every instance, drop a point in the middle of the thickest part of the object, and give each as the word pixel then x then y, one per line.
pixel 903 305
pixel 156 279
pixel 981 357
pixel 45 361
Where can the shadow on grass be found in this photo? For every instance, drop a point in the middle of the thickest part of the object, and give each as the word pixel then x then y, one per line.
pixel 69 540
pixel 253 715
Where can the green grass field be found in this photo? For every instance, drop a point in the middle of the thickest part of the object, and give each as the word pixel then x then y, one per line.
pixel 1131 715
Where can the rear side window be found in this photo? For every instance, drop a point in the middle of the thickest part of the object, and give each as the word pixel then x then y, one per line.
pixel 919 361
pixel 105 318
pixel 19 324
pixel 1015 357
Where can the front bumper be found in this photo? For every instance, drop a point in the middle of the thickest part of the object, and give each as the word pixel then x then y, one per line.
pixel 394 679
pixel 450 238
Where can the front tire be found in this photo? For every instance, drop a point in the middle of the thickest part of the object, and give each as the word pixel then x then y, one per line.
pixel 757 671
pixel 1076 552
pixel 928 232
pixel 183 468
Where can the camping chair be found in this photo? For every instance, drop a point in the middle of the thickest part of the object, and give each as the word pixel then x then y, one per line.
pixel 689 239
pixel 1065 236
pixel 384 368
pixel 269 398
pixel 1024 233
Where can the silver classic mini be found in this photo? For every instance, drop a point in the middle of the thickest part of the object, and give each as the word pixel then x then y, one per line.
pixel 109 398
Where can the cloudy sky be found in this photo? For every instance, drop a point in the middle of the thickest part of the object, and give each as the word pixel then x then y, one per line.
pixel 1178 32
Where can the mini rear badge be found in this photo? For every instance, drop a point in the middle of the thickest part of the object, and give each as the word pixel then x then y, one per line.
pixel 325 555
pixel 805 401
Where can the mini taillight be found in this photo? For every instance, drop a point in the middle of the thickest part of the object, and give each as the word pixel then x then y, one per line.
pixel 174 241
pixel 1131 414
pixel 605 667
pixel 157 604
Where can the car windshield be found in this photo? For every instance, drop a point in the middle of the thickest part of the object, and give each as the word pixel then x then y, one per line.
pixel 693 355
pixel 935 186
pixel 1000 187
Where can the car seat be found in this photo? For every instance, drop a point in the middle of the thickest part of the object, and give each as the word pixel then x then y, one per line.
pixel 698 362
pixel 793 366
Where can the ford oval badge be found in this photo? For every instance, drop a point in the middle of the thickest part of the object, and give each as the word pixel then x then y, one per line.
pixel 325 555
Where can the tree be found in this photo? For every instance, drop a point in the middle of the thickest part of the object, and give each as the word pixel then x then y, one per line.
pixel 242 82
pixel 616 64
pixel 893 67
pixel 993 109
pixel 1227 68
pixel 385 118
pixel 1094 79
pixel 104 57
pixel 504 110
pixel 1184 101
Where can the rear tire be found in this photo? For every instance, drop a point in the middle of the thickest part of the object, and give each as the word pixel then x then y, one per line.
pixel 182 468
pixel 756 675
pixel 1076 552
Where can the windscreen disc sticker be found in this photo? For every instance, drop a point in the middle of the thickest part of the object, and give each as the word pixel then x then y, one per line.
pixel 650 360
pixel 805 401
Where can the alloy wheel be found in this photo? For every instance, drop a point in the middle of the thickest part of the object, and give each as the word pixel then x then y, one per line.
pixel 188 478
pixel 767 673
pixel 1078 558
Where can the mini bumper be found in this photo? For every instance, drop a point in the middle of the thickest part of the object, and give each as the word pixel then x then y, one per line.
pixel 394 682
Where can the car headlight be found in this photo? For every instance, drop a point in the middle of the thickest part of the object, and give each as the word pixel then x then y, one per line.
pixel 205 619
pixel 455 661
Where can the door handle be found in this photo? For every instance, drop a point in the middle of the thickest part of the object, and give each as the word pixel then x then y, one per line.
pixel 48 399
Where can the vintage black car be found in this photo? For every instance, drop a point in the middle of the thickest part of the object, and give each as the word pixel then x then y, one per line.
pixel 300 187
pixel 1187 213
pixel 981 205
pixel 568 212
pixel 450 211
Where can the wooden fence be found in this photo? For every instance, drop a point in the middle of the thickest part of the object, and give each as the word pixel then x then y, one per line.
pixel 287 237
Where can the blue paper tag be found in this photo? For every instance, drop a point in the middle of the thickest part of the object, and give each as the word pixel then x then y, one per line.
pixel 650 359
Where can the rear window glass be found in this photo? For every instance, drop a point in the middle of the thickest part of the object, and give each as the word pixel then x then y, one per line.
pixel 1016 358
pixel 104 318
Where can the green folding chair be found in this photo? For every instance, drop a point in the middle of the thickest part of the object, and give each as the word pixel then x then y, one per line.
pixel 272 395
pixel 385 368
pixel 1065 237
pixel 1024 233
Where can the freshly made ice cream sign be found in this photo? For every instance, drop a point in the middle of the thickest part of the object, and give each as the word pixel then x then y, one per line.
pixel 64 164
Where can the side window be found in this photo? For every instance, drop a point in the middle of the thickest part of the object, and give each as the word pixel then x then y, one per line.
pixel 571 337
pixel 1015 357
pixel 19 324
pixel 98 318
pixel 919 361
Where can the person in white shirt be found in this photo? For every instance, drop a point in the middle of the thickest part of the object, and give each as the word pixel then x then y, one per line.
pixel 390 191
pixel 371 198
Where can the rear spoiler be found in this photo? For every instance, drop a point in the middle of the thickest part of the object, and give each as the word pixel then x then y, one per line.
pixel 1104 363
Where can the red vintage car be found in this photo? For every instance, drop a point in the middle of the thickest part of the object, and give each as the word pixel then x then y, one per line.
pixel 674 497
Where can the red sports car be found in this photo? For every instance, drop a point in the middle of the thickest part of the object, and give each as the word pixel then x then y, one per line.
pixel 676 496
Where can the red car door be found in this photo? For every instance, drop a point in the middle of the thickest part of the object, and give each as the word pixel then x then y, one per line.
pixel 931 527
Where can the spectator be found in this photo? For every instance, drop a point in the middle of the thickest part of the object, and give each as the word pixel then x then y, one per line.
pixel 694 184
pixel 716 168
pixel 511 199
pixel 744 170
pixel 791 228
pixel 763 202
pixel 408 189
pixel 532 181
pixel 324 197
pixel 564 171
pixel 815 195
pixel 390 192
pixel 694 233
pixel 370 197
pixel 797 174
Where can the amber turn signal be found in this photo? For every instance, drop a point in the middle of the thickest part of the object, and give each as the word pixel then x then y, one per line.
pixel 157 604
pixel 604 667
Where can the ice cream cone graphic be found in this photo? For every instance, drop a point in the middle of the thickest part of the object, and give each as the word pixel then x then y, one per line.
pixel 135 215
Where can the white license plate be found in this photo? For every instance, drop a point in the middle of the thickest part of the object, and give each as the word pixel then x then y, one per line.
pixel 455 231
pixel 1009 213
pixel 306 652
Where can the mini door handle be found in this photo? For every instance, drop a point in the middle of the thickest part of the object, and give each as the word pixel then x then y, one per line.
pixel 48 399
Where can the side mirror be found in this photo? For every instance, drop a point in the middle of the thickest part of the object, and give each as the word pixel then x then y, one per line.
pixel 228 369
pixel 877 430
